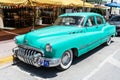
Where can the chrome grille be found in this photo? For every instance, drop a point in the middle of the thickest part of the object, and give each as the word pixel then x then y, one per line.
pixel 27 54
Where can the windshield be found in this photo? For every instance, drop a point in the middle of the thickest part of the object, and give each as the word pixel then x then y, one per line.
pixel 69 20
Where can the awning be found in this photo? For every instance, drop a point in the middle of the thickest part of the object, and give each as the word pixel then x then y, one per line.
pixel 64 3
pixel 84 4
pixel 100 6
pixel 13 1
pixel 113 4
pixel 61 3
pixel 45 2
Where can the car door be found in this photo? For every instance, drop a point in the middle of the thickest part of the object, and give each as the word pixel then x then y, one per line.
pixel 100 26
pixel 93 32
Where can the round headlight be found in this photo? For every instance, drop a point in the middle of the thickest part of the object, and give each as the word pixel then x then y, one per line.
pixel 48 48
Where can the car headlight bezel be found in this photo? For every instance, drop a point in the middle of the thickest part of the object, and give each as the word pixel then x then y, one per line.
pixel 48 48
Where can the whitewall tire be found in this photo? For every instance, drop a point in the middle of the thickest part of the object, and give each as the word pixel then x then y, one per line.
pixel 66 60
pixel 109 40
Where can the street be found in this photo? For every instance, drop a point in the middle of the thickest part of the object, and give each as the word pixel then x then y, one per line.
pixel 102 63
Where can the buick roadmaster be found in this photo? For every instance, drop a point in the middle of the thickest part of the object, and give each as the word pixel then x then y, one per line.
pixel 72 34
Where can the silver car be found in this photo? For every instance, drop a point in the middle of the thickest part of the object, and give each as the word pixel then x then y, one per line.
pixel 115 20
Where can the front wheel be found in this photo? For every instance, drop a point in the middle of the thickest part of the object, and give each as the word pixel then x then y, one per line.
pixel 66 60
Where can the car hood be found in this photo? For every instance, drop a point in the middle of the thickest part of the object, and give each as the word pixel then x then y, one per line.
pixel 51 31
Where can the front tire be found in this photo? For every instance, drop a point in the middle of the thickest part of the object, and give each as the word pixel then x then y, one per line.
pixel 66 60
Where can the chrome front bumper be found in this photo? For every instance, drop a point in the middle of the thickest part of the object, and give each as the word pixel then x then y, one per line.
pixel 33 57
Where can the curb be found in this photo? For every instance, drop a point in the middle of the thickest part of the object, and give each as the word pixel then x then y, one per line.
pixel 6 60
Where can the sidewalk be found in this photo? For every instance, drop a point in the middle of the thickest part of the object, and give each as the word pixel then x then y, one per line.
pixel 6 51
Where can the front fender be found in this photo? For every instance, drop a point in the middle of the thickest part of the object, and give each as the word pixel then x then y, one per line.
pixel 64 43
pixel 19 39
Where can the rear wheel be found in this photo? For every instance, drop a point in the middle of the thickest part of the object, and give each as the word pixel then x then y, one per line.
pixel 108 42
pixel 66 60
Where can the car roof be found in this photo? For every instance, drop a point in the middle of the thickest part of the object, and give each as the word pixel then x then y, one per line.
pixel 80 14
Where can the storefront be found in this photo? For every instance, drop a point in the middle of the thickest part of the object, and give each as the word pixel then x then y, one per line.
pixel 26 13
pixel 45 15
pixel 17 17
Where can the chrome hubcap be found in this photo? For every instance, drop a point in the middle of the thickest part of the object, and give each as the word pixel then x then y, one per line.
pixel 66 58
pixel 109 41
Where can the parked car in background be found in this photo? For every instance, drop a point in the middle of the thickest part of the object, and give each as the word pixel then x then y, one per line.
pixel 115 20
pixel 72 34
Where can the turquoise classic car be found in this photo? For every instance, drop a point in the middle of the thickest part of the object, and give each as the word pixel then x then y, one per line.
pixel 72 34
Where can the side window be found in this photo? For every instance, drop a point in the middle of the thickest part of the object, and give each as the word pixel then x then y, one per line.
pixel 99 20
pixel 90 22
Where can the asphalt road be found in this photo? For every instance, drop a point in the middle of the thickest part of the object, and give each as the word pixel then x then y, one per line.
pixel 102 63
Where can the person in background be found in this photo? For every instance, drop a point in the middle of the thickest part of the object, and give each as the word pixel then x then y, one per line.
pixel 107 14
